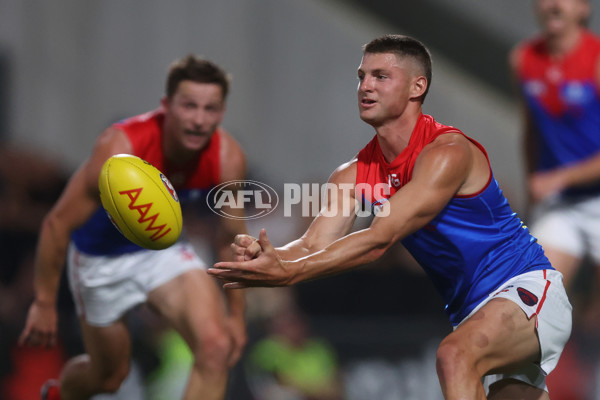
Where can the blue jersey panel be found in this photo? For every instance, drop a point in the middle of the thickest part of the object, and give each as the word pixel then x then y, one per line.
pixel 466 253
pixel 98 236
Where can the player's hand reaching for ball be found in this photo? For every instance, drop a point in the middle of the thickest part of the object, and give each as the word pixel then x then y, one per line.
pixel 245 247
pixel 262 266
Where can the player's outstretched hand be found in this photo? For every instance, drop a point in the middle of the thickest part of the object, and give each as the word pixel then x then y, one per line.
pixel 245 247
pixel 266 269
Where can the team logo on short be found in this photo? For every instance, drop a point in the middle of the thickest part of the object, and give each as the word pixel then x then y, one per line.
pixel 527 297
pixel 169 187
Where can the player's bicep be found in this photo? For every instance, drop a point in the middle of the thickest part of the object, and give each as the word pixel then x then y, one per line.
pixel 112 141
pixel 75 205
pixel 232 168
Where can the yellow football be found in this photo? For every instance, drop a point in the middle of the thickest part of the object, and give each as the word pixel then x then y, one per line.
pixel 140 201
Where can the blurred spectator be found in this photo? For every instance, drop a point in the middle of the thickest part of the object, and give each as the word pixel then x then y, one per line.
pixel 290 363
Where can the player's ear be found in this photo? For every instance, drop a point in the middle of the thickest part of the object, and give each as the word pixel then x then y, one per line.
pixel 585 12
pixel 164 102
pixel 419 86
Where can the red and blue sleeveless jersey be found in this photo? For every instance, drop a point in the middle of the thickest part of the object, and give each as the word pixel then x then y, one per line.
pixel 564 103
pixel 473 245
pixel 191 181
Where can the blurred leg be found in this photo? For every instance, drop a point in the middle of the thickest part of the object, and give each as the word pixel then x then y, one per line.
pixel 193 305
pixel 565 263
pixel 104 366
pixel 512 389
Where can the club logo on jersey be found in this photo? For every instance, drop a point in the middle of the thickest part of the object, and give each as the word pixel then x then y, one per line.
pixel 394 181
pixel 255 198
pixel 169 187
pixel 577 93
pixel 527 297
pixel 534 88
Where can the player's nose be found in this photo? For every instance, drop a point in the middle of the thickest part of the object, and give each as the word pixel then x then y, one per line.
pixel 365 85
pixel 200 118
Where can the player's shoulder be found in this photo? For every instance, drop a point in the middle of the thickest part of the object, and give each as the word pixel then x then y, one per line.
pixel 451 146
pixel 531 47
pixel 232 157
pixel 142 121
pixel 113 140
pixel 345 173
pixel 228 142
pixel 516 53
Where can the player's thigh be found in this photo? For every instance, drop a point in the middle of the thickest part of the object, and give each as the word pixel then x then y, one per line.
pixel 511 389
pixel 564 262
pixel 109 348
pixel 499 337
pixel 192 303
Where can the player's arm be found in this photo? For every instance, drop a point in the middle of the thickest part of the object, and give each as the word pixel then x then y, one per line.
pixel 443 169
pixel 233 167
pixel 75 206
pixel 529 134
pixel 334 220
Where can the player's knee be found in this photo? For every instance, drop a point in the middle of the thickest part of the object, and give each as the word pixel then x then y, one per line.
pixel 453 359
pixel 213 350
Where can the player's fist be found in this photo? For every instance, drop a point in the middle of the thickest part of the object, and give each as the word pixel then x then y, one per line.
pixel 245 247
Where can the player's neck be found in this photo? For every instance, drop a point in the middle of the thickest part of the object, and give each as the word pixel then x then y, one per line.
pixel 560 44
pixel 394 136
pixel 175 154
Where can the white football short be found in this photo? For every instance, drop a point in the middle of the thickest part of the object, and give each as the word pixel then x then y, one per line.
pixel 569 225
pixel 542 294
pixel 104 288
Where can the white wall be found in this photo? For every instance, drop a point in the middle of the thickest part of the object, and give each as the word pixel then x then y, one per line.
pixel 79 65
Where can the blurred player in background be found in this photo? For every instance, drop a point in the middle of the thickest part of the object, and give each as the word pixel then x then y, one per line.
pixel 558 77
pixel 558 73
pixel 506 302
pixel 109 275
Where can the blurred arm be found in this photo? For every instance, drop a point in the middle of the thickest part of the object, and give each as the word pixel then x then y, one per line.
pixel 76 204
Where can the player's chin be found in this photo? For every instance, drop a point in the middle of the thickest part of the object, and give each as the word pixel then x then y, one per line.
pixel 195 142
pixel 554 25
pixel 369 119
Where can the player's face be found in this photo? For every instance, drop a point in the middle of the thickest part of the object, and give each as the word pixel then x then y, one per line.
pixel 383 87
pixel 558 16
pixel 193 113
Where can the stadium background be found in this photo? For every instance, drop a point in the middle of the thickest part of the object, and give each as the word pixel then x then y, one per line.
pixel 69 68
